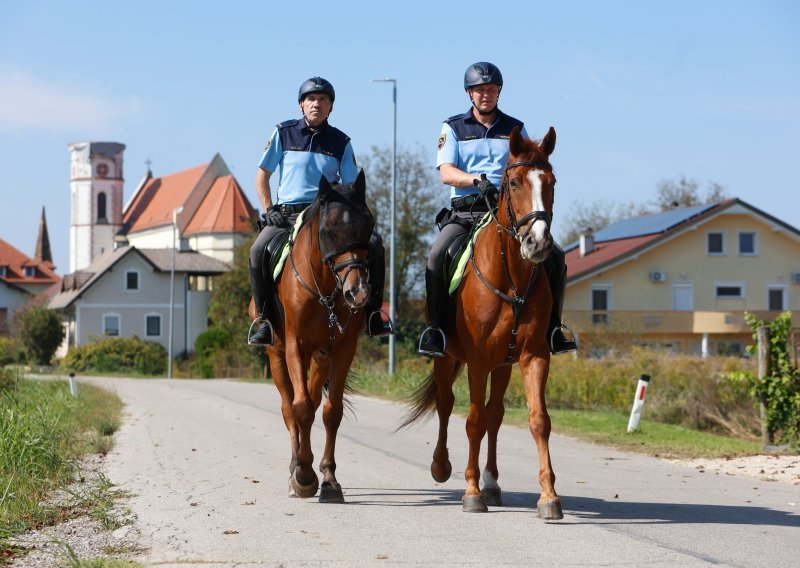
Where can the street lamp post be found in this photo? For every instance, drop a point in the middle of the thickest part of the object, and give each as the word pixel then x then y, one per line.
pixel 392 222
pixel 175 212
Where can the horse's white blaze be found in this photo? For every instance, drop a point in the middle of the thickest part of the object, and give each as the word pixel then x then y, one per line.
pixel 489 482
pixel 539 228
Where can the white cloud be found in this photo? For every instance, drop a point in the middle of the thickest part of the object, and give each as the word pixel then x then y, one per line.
pixel 32 103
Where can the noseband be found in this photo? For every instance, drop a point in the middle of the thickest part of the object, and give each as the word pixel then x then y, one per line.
pixel 533 215
pixel 348 265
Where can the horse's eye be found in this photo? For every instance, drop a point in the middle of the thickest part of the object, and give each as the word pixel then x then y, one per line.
pixel 513 184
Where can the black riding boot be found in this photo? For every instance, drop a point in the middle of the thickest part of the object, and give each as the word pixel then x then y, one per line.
pixel 559 343
pixel 262 289
pixel 376 326
pixel 432 342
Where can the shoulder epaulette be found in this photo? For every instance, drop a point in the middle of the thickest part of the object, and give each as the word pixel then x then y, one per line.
pixel 287 123
pixel 454 117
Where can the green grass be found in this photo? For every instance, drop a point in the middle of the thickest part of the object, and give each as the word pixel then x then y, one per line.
pixel 691 411
pixel 656 438
pixel 44 432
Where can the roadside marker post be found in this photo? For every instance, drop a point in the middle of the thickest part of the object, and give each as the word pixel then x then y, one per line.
pixel 638 402
pixel 73 385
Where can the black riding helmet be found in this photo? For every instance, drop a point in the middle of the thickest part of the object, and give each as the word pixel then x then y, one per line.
pixel 482 73
pixel 315 85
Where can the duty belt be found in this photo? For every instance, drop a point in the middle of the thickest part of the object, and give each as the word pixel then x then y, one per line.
pixel 292 208
pixel 466 203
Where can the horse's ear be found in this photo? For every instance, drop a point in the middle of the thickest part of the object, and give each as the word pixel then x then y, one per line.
pixel 324 186
pixel 549 142
pixel 360 186
pixel 516 143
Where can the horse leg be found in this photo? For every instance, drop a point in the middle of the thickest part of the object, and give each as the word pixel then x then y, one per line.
pixel 495 409
pixel 330 491
pixel 476 429
pixel 535 371
pixel 445 370
pixel 280 376
pixel 303 481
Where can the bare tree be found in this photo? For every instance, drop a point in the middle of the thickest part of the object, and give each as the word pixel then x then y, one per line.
pixel 419 197
pixel 684 192
pixel 594 216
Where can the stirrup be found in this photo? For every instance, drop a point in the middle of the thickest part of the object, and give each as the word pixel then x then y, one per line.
pixel 259 321
pixel 432 329
pixel 380 314
pixel 572 333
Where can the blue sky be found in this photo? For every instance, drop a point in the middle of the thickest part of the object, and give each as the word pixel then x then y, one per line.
pixel 638 91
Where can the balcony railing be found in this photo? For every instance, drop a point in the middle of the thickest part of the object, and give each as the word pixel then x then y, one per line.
pixel 666 321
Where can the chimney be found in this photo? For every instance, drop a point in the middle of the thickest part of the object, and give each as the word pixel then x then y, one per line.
pixel 586 242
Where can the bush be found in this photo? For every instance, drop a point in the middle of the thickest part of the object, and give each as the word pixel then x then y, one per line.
pixel 210 346
pixel 40 332
pixel 10 350
pixel 118 355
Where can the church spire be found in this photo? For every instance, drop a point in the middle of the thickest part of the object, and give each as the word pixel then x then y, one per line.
pixel 43 253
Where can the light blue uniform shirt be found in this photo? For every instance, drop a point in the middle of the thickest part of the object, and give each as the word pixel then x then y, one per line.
pixel 301 156
pixel 475 149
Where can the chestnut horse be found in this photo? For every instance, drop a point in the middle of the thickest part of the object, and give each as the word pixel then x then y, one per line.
pixel 502 308
pixel 322 290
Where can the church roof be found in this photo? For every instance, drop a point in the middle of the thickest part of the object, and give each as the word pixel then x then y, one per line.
pixel 211 199
pixel 15 262
pixel 225 208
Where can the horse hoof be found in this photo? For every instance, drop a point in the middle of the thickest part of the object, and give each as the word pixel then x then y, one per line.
pixel 441 473
pixel 296 489
pixel 492 496
pixel 474 504
pixel 330 493
pixel 549 511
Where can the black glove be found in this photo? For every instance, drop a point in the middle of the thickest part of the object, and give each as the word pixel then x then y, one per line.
pixel 273 218
pixel 487 188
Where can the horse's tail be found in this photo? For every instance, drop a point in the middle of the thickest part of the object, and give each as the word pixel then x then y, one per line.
pixel 423 400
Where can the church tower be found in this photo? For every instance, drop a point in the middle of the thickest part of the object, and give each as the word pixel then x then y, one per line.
pixel 96 200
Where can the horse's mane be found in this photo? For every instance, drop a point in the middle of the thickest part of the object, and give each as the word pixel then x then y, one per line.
pixel 344 193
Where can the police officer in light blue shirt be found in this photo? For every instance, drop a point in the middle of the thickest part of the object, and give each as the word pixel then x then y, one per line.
pixel 473 151
pixel 298 153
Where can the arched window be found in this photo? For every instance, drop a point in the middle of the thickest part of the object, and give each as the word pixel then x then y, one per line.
pixel 101 208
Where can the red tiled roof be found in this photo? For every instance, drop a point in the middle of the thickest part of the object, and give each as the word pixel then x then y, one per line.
pixel 155 202
pixel 602 253
pixel 224 209
pixel 15 262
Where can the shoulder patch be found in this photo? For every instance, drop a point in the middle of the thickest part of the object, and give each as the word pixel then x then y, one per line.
pixel 442 140
pixel 286 123
pixel 269 142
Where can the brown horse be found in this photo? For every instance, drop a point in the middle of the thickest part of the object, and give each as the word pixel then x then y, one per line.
pixel 322 290
pixel 502 307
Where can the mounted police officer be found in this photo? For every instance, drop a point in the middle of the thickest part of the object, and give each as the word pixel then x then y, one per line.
pixel 475 145
pixel 301 151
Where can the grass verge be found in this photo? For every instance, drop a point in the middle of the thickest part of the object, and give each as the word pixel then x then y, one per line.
pixel 44 432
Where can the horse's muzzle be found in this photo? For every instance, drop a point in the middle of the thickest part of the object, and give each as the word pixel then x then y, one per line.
pixel 535 250
pixel 355 289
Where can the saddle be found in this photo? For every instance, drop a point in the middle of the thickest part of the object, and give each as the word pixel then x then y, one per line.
pixel 459 253
pixel 278 247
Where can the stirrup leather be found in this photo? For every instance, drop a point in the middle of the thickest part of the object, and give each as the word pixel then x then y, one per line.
pixel 432 329
pixel 259 321
pixel 380 314
pixel 572 333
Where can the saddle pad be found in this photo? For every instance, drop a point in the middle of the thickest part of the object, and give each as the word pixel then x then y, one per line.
pixel 460 262
pixel 283 253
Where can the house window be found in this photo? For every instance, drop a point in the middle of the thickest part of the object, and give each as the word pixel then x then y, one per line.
pixel 131 279
pixel 729 290
pixel 730 348
pixel 716 243
pixel 748 243
pixel 682 296
pixel 30 271
pixel 152 325
pixel 111 325
pixel 101 208
pixel 601 303
pixel 776 297
pixel 3 271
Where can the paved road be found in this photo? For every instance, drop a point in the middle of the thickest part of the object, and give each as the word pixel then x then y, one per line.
pixel 208 463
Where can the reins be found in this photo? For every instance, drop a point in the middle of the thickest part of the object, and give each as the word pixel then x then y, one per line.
pixel 329 301
pixel 516 299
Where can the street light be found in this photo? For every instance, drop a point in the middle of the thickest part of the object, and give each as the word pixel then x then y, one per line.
pixel 175 212
pixel 392 238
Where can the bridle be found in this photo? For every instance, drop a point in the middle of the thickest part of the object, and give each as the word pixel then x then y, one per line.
pixel 516 299
pixel 534 216
pixel 328 301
